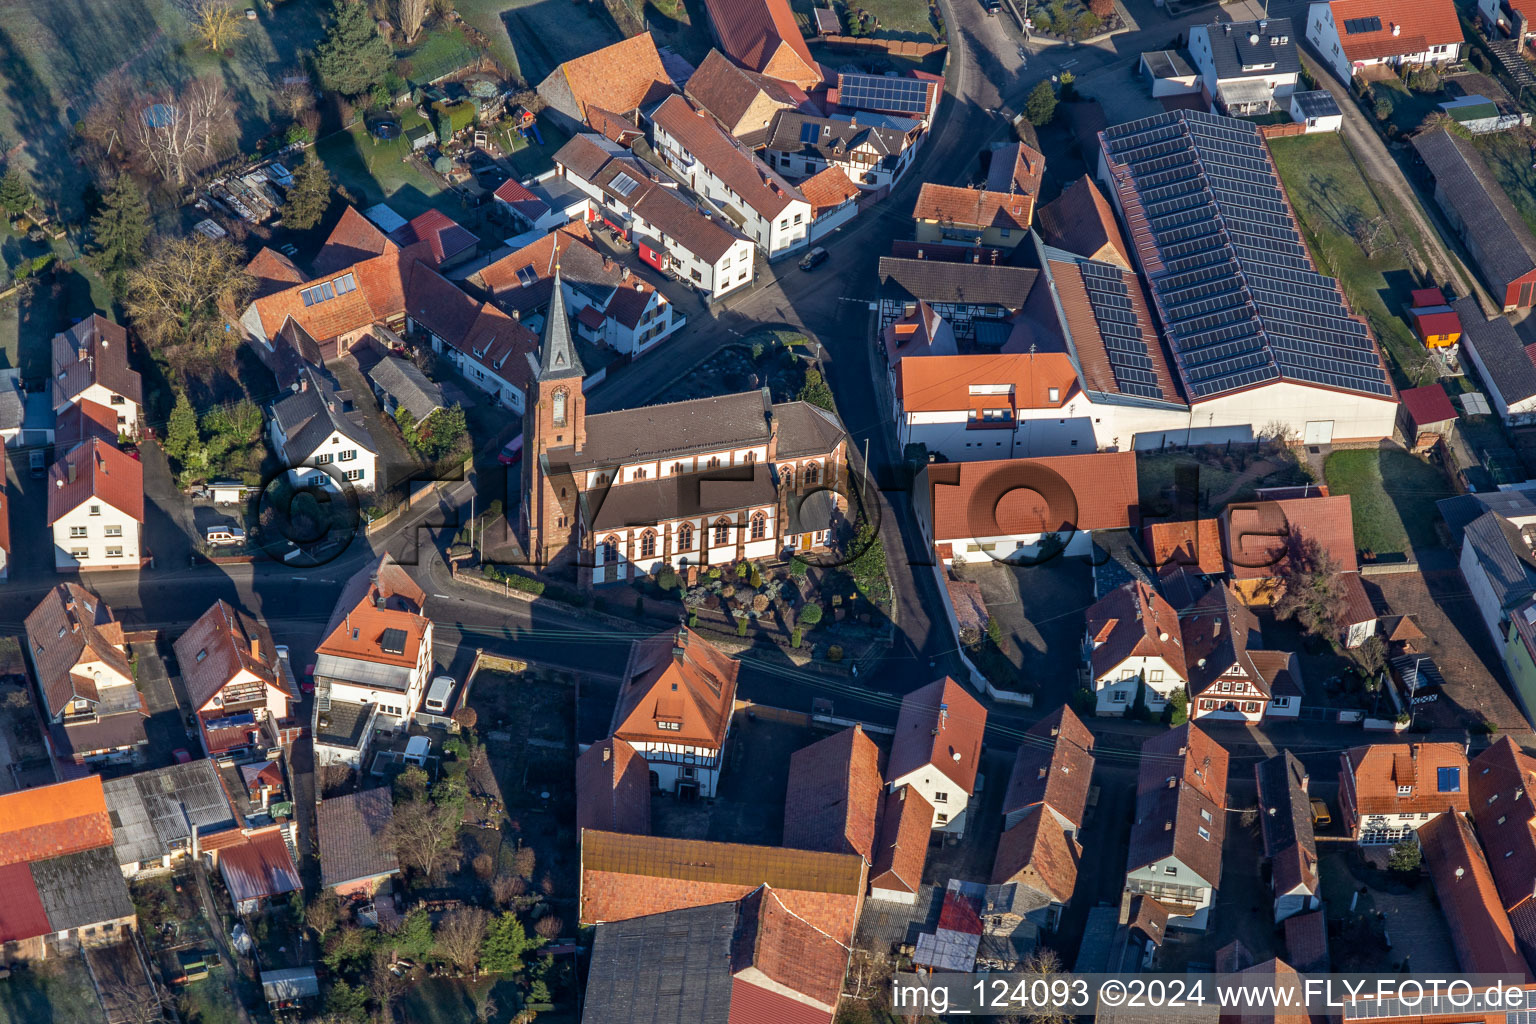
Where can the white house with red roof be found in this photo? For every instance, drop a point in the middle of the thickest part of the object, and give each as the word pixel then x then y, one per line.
pixel 1353 35
pixel 234 680
pixel 96 509
pixel 377 648
pixel 90 363
pixel 937 749
pixel 1134 639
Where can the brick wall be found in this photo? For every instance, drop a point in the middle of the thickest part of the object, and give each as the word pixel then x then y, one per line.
pixel 609 896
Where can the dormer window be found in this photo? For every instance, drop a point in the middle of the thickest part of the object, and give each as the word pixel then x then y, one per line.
pixel 1404 790
pixel 202 654
pixel 670 726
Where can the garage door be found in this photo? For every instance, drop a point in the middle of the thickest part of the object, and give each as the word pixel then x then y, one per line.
pixel 1318 432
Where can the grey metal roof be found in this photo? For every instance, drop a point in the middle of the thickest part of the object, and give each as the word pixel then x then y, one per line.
pixel 151 810
pixel 1285 811
pixel 81 889
pixel 1234 48
pixel 973 284
pixel 402 381
pixel 309 416
pixel 1499 349
pixel 1504 556
pixel 1464 508
pixel 672 968
pixel 1506 249
pixel 353 836
pixel 1316 103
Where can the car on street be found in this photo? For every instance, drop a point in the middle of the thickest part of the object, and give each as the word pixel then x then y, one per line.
pixel 1320 815
pixel 38 463
pixel 815 258
pixel 511 451
pixel 224 535
pixel 307 685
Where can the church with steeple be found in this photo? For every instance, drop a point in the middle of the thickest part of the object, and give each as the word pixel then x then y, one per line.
pixel 710 481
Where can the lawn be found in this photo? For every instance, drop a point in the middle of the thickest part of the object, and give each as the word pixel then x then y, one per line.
pixel 1333 199
pixel 898 19
pixel 1393 497
pixel 378 171
pixel 52 990
pixel 1509 158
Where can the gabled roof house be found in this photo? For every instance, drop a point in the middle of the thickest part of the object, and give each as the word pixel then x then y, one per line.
pixel 235 682
pixel 937 749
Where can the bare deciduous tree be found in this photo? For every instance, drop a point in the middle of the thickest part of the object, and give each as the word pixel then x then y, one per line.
pixel 423 832
pixel 217 23
pixel 460 935
pixel 187 291
pixel 179 133
pixel 409 15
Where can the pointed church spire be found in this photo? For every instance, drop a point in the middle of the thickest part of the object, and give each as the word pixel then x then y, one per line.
pixel 557 356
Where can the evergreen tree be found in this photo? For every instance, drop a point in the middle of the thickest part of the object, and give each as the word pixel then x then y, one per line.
pixel 816 390
pixel 15 196
pixel 1041 105
pixel 181 435
pixel 505 944
pixel 352 59
pixel 309 198
pixel 120 232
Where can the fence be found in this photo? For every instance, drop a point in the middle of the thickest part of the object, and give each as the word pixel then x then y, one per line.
pixel 894 47
pixel 417 495
pixel 1280 131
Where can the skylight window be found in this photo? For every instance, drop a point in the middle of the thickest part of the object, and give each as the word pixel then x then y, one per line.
pixel 345 283
pixel 527 276
pixel 1449 779
pixel 623 184
pixel 322 292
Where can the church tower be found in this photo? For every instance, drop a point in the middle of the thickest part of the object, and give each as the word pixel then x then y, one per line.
pixel 554 429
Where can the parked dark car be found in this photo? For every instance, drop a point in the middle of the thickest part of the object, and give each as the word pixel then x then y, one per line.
pixel 815 258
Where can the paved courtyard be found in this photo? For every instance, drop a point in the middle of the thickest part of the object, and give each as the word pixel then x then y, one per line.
pixel 1040 609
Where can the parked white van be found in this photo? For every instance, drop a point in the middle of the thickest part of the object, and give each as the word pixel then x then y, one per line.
pixel 439 694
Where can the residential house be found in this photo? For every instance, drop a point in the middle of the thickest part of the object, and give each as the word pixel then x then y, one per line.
pixel 1135 650
pixel 374 661
pixel 967 295
pixel 236 685
pixel 532 215
pixel 743 101
pixel 1168 73
pixel 444 241
pixel 619 495
pixel 1498 563
pixel 257 866
pixel 613 789
pixel 1502 359
pixel 834 798
pixel 946 213
pixel 669 232
pixel 90 363
pixel 1081 221
pixel 1265 380
pixel 1388 790
pixel 355 239
pixel 762 35
pixel 901 851
pixel 834 200
pixel 96 509
pixel 1352 35
pixel 1247 67
pixel 761 203
pixel 1428 415
pixel 399 385
pixel 1481 932
pixel 1191 544
pixel 1174 864
pixel 674 709
pixel 81 423
pixel 1503 804
pixel 937 749
pixel 1230 676
pixel 1306 941
pixel 900 99
pixel 79 660
pixel 320 442
pixel 620 78
pixel 1038 853
pixel 62 885
pixel 748 959
pixel 924 333
pixel 1439 325
pixel 1285 819
pixel 873 157
pixel 158 815
pixel 1014 167
pixel 1007 509
pixel 625 876
pixel 357 853
pixel 1482 214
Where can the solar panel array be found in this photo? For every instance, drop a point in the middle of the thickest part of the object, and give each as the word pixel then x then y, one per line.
pixel 1125 335
pixel 1355 26
pixel 1240 299
pixel 877 92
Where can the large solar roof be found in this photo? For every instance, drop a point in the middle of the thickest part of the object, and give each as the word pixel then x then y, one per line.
pixel 1125 336
pixel 1239 297
pixel 878 92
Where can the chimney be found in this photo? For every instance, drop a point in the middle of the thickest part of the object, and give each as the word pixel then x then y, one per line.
pixel 255 648
pixel 624 273
pixel 517 314
pixel 304 383
pixel 943 715
pixel 1173 782
pixel 73 472
pixel 607 753
pixel 607 264
pixel 919 254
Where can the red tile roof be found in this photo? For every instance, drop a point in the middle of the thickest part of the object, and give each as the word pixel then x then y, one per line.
pixel 906 825
pixel 1428 404
pixel 1054 766
pixel 1306 941
pixel 613 789
pixel 941 725
pixel 941 382
pixel 973 208
pixel 354 238
pixel 676 677
pixel 1181 789
pixel 1037 854
pixel 82 421
pixel 1480 930
pixel 773 945
pixel 1194 542
pixel 22 915
pixel 445 237
pixel 1134 621
pixel 758 185
pixel 69 627
pixel 620 77
pixel 1081 221
pixel 834 795
pixel 1503 802
pixel 1421 297
pixel 260 867
pixel 1407 26
pixel 52 821
pixel 94 351
pixel 221 645
pixel 1444 323
pixel 753 1004
pixel 273 272
pixel 1011 497
pixel 1381 769
pixel 379 596
pixel 96 470
pixel 763 36
pixel 1016 166
pixel 828 189
pixel 1254 534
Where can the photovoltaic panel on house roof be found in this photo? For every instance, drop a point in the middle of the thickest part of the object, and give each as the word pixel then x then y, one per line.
pixel 393 641
pixel 877 92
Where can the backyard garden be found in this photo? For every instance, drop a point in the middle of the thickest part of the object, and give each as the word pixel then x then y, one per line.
pixel 1392 495
pixel 1212 477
